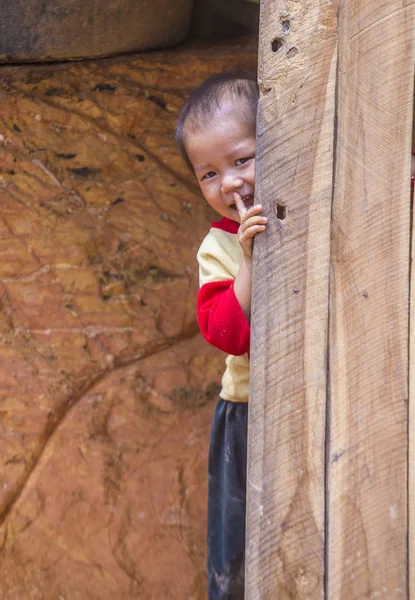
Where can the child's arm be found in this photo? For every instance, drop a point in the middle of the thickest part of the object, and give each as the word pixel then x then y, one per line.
pixel 251 223
pixel 224 303
pixel 219 314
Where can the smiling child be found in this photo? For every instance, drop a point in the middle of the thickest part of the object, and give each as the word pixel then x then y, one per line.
pixel 216 135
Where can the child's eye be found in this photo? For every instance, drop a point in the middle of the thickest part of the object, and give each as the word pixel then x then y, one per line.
pixel 242 161
pixel 209 175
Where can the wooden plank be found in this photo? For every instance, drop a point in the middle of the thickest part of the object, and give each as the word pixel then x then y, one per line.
pixel 285 520
pixel 368 331
pixel 411 408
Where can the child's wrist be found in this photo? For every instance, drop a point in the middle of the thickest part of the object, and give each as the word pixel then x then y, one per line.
pixel 247 260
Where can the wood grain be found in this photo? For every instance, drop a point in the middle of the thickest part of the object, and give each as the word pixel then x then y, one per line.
pixel 285 522
pixel 411 405
pixel 369 294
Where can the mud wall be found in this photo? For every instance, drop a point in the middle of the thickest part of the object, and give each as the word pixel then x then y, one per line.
pixel 107 389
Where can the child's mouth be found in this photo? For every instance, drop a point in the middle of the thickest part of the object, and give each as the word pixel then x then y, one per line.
pixel 248 200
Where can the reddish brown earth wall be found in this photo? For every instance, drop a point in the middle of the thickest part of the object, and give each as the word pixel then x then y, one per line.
pixel 107 389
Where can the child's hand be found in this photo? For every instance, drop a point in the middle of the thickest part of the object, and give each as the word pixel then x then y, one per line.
pixel 251 223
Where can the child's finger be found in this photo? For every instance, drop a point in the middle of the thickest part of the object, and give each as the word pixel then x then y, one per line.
pixel 254 220
pixel 240 206
pixel 251 232
pixel 253 212
pixel 253 229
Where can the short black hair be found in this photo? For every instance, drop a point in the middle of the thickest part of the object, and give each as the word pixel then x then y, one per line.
pixel 205 101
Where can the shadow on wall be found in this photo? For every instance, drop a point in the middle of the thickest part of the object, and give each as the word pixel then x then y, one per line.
pixel 216 19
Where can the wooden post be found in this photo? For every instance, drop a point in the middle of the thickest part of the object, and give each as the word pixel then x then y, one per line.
pixel 297 74
pixel 328 445
pixel 411 427
pixel 369 298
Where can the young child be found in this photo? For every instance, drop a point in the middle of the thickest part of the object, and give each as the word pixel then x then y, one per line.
pixel 216 135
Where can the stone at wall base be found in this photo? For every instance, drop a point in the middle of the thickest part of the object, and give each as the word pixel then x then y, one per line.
pixel 44 30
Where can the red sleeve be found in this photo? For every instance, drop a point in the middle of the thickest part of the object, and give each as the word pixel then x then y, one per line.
pixel 221 319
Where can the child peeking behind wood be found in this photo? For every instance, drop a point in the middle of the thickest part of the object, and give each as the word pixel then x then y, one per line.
pixel 216 135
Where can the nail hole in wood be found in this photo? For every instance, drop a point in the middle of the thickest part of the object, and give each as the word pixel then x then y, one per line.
pixel 276 44
pixel 281 211
pixel 285 24
pixel 292 52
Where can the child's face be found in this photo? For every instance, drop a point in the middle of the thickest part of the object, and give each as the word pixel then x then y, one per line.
pixel 223 158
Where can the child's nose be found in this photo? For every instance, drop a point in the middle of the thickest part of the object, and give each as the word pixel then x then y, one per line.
pixel 231 184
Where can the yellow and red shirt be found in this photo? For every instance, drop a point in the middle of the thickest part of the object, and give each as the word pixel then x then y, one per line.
pixel 219 314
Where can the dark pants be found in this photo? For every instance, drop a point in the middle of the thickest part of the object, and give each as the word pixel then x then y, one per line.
pixel 227 501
